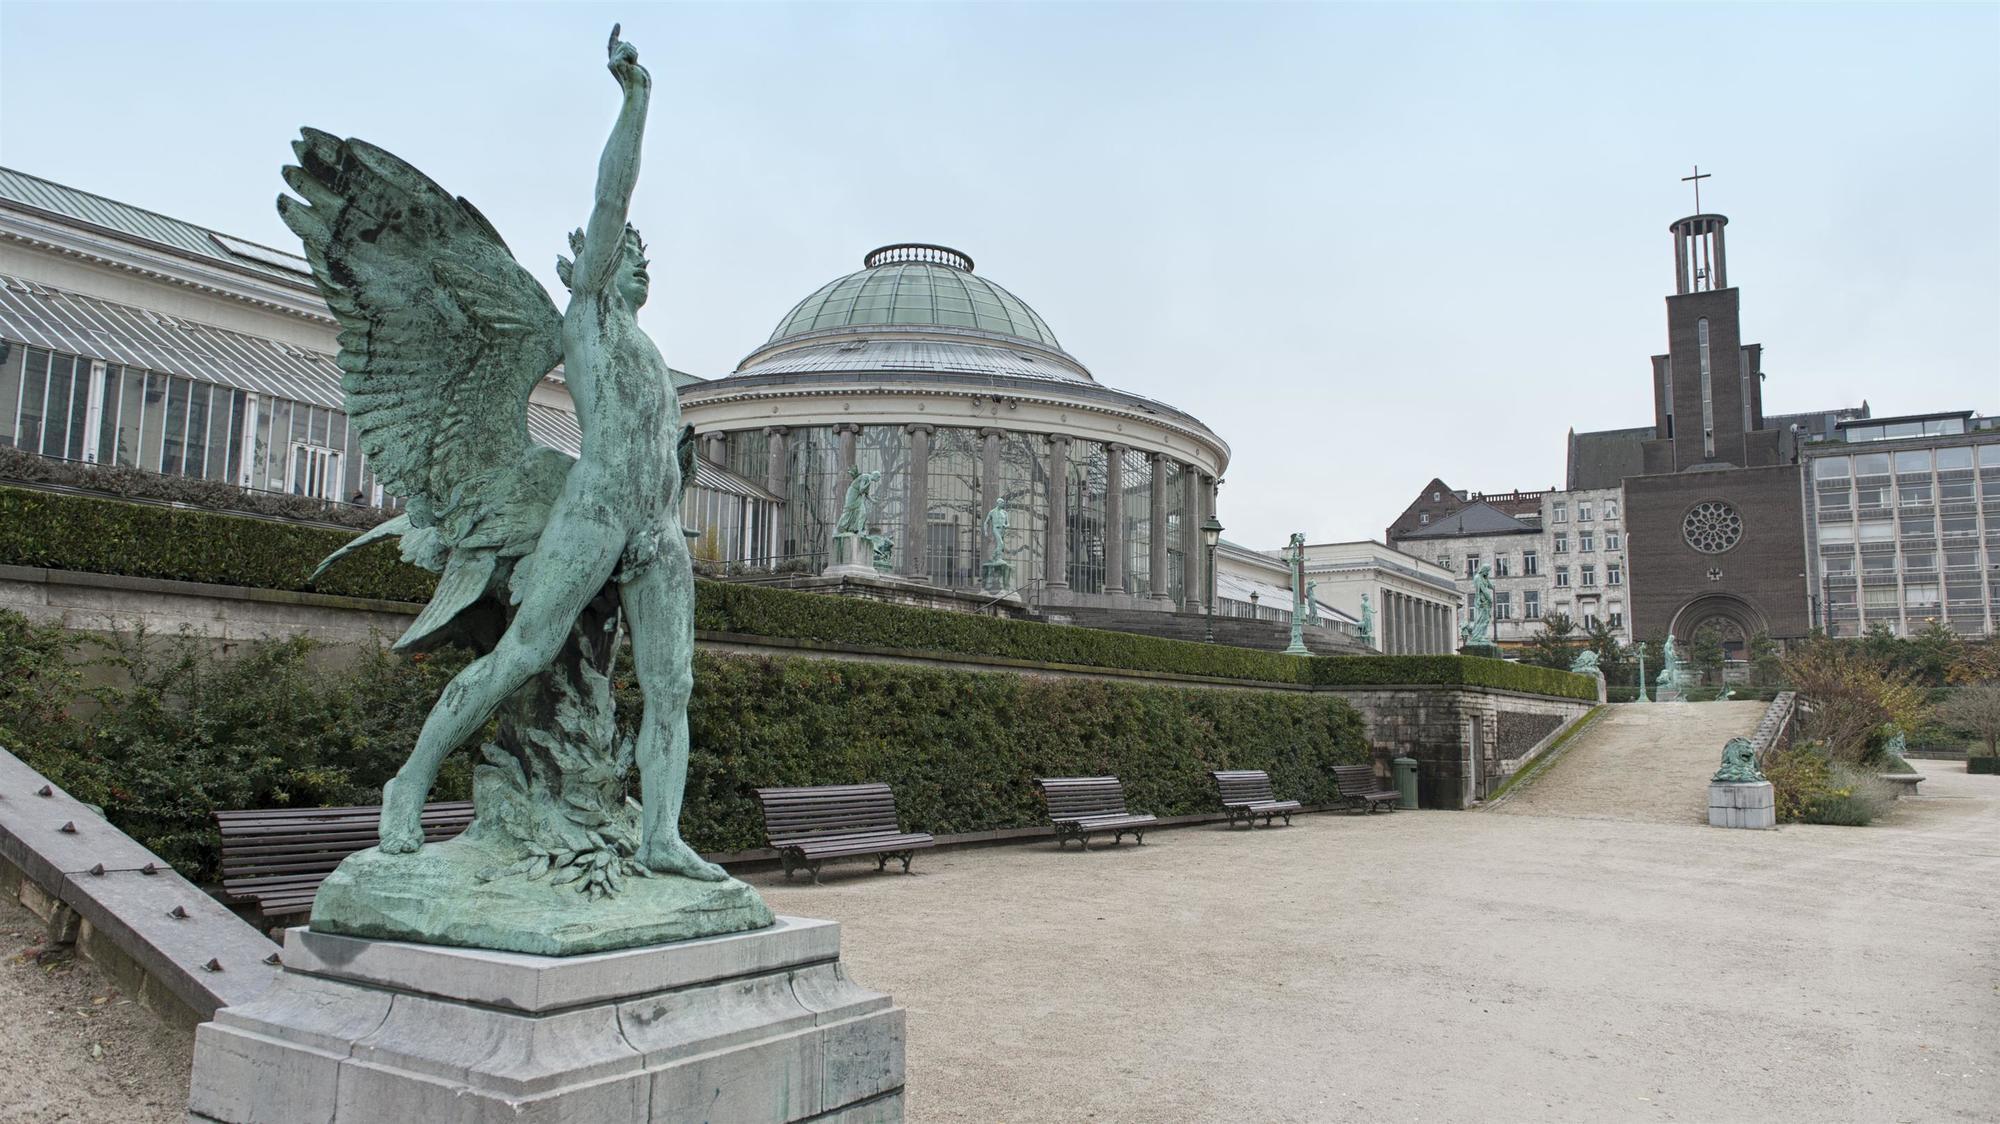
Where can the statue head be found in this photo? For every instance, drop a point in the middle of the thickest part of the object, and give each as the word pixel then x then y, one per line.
pixel 632 281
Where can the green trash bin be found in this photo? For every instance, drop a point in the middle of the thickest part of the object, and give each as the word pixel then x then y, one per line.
pixel 1406 782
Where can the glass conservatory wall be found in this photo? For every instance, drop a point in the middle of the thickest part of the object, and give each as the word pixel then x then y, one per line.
pixel 885 449
pixel 1024 483
pixel 1176 493
pixel 1138 522
pixel 1089 481
pixel 813 490
pixel 951 522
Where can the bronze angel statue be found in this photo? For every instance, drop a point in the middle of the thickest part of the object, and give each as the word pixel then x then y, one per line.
pixel 443 338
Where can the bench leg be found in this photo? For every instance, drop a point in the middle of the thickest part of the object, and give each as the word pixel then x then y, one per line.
pixel 815 871
pixel 1288 819
pixel 790 865
pixel 881 862
pixel 907 856
pixel 1139 837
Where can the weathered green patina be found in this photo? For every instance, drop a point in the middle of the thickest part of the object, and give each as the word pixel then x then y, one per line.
pixel 1477 631
pixel 1673 678
pixel 1640 649
pixel 1366 631
pixel 1295 562
pixel 444 336
pixel 996 574
pixel 1739 763
pixel 1585 663
pixel 854 506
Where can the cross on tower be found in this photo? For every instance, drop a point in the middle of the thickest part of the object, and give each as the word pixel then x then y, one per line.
pixel 1698 176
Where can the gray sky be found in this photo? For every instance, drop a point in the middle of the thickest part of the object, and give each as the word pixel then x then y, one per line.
pixel 1368 245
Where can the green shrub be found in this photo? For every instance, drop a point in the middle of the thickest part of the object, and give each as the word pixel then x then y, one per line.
pixel 190 733
pixel 1468 671
pixel 1854 798
pixel 102 536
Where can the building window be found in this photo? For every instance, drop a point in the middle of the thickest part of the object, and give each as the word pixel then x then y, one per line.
pixel 1444 561
pixel 1614 574
pixel 1531 604
pixel 1562 543
pixel 1589 576
pixel 1611 509
pixel 1435 497
pixel 1561 513
pixel 1586 540
pixel 1562 577
pixel 1613 540
pixel 1582 511
pixel 1503 606
pixel 1531 563
pixel 1423 518
pixel 1616 618
pixel 1499 565
pixel 1471 565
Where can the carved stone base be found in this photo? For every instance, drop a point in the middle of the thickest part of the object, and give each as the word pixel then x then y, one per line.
pixel 852 557
pixel 435 895
pixel 1742 804
pixel 760 1026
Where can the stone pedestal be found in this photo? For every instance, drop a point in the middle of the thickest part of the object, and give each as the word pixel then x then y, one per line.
pixel 1741 804
pixel 996 577
pixel 852 556
pixel 757 1026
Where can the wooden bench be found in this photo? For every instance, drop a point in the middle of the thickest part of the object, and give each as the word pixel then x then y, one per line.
pixel 1082 806
pixel 1360 789
pixel 277 857
pixel 1246 793
pixel 811 825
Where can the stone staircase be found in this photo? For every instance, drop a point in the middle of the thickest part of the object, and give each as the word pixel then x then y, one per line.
pixel 1639 761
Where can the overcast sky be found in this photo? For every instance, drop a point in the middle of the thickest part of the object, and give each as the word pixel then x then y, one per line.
pixel 1367 245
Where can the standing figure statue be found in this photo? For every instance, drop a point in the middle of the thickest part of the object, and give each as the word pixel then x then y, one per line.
pixel 996 529
pixel 1672 679
pixel 444 337
pixel 1478 627
pixel 1295 563
pixel 1366 632
pixel 854 507
pixel 1312 602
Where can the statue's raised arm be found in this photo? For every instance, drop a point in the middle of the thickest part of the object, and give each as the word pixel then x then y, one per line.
pixel 617 174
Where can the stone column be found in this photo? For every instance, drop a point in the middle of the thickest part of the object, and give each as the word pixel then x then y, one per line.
pixel 774 483
pixel 916 509
pixel 989 473
pixel 1391 632
pixel 1191 539
pixel 845 432
pixel 1058 571
pixel 1157 539
pixel 1114 519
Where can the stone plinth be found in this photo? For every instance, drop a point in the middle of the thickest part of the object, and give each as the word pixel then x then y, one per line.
pixel 851 557
pixel 758 1026
pixel 1741 804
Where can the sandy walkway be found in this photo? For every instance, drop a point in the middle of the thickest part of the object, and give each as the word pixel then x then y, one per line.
pixel 1635 762
pixel 1428 966
pixel 74 1050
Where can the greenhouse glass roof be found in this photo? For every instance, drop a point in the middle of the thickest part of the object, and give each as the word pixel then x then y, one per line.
pixel 916 285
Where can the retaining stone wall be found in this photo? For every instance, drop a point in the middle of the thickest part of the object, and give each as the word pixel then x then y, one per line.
pixel 1454 734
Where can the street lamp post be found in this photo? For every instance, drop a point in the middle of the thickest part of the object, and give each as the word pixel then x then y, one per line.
pixel 1211 533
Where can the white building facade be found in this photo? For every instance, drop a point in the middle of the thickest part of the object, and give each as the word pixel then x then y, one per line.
pixel 1570 558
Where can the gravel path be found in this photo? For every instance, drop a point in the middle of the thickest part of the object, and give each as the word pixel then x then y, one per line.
pixel 1420 966
pixel 73 1049
pixel 1635 762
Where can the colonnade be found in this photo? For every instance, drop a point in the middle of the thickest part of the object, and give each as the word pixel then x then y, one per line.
pixel 1416 626
pixel 911 562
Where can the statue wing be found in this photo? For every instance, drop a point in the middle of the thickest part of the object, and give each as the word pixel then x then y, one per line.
pixel 443 338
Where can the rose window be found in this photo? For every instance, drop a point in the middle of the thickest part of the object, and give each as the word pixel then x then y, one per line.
pixel 1712 527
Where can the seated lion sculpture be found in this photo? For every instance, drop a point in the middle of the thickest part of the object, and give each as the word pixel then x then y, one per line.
pixel 1739 763
pixel 1585 662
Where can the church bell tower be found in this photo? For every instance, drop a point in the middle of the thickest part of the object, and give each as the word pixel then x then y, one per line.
pixel 1708 402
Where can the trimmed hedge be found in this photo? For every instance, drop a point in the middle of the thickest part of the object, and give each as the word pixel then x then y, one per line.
pixel 70 532
pixel 103 536
pixel 184 732
pixel 962 748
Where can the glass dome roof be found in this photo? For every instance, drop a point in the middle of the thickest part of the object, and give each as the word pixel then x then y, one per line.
pixel 919 285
